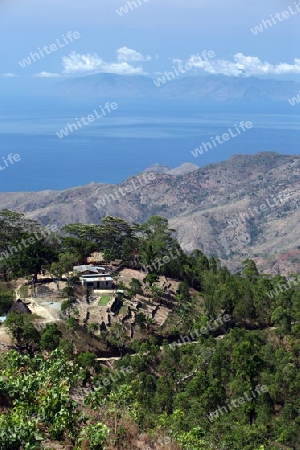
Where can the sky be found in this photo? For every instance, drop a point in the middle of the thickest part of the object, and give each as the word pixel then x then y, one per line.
pixel 153 36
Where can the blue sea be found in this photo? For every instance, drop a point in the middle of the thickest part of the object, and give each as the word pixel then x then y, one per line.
pixel 130 139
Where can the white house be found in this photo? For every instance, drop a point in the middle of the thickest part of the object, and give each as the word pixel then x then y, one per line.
pixel 94 277
pixel 97 282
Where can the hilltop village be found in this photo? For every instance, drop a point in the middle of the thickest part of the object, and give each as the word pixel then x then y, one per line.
pixel 113 336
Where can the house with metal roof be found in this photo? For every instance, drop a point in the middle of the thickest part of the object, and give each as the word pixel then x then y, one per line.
pixel 88 270
pixel 95 277
pixel 97 282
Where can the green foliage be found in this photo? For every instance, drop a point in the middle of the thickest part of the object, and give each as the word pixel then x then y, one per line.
pixel 117 336
pixel 140 319
pixel 40 390
pixel 193 440
pixel 156 292
pixel 168 391
pixel 22 331
pixel 50 337
pixel 157 242
pixel 6 302
pixel 66 347
pixel 63 266
pixel 71 323
pixel 151 278
pixel 18 431
pixel 66 305
pixel 183 293
pixel 86 359
pixel 135 287
pixel 24 246
pixel 94 436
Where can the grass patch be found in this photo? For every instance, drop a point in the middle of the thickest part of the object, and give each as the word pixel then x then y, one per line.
pixel 123 310
pixel 104 300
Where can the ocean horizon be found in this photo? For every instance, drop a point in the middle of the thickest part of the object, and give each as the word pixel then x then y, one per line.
pixel 128 140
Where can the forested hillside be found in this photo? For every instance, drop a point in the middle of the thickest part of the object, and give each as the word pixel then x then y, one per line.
pixel 220 373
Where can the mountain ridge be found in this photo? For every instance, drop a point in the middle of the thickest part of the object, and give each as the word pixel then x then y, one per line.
pixel 212 87
pixel 211 208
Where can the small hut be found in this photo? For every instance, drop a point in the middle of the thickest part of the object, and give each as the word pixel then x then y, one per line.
pixel 96 258
pixel 20 308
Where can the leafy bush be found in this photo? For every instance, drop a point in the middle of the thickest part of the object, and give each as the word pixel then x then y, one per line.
pixel 50 337
pixel 6 302
pixel 94 436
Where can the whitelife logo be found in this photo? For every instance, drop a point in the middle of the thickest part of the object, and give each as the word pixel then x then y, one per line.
pixel 284 287
pixel 294 100
pixel 157 263
pixel 168 76
pixel 226 136
pixel 45 233
pixel 33 57
pixel 128 188
pixel 11 158
pixel 86 120
pixel 279 17
pixel 279 200
pixel 219 321
pixel 258 390
pixel 132 5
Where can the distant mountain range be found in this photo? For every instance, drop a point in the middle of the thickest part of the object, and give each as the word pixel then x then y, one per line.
pixel 247 206
pixel 215 88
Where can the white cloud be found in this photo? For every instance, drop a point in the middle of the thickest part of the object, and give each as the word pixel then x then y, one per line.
pixel 9 75
pixel 77 63
pixel 47 75
pixel 130 55
pixel 242 64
